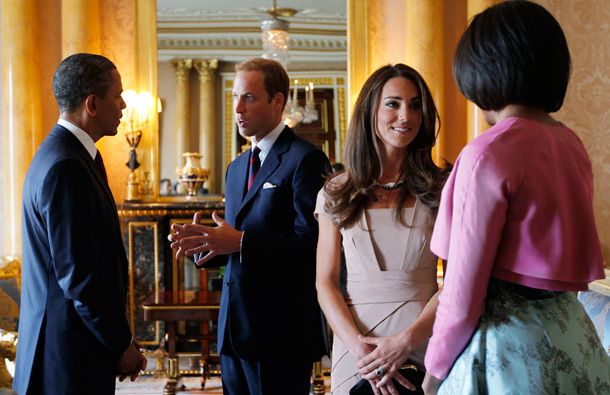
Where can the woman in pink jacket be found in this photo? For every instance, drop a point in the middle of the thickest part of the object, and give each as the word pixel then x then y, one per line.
pixel 516 223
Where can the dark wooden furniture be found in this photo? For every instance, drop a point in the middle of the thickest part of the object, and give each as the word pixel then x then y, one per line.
pixel 152 264
pixel 175 306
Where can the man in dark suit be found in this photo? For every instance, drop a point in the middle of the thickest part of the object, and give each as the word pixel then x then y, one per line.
pixel 269 329
pixel 73 333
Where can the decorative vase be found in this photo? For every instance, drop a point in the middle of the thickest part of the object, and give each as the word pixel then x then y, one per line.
pixel 133 187
pixel 192 175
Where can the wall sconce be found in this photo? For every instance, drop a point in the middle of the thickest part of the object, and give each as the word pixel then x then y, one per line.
pixel 135 119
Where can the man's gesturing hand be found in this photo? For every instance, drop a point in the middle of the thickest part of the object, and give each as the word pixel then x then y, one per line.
pixel 193 239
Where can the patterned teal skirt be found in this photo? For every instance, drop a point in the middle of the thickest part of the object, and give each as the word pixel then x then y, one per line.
pixel 525 346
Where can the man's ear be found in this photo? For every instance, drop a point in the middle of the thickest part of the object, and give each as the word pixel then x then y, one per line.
pixel 91 104
pixel 278 100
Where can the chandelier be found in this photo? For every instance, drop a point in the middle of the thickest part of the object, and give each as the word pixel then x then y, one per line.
pixel 294 114
pixel 275 34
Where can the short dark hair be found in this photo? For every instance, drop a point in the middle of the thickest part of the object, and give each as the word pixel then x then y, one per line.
pixel 275 76
pixel 513 53
pixel 79 76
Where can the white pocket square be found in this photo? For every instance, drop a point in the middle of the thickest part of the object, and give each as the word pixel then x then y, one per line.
pixel 268 185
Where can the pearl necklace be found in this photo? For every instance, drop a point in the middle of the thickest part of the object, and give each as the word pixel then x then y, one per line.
pixel 390 186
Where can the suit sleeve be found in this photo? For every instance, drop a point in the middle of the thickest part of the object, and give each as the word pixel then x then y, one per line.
pixel 308 179
pixel 85 251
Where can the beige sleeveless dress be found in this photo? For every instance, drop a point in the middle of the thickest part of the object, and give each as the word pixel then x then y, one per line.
pixel 391 275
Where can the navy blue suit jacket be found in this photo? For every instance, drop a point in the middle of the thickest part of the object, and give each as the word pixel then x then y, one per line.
pixel 269 303
pixel 72 326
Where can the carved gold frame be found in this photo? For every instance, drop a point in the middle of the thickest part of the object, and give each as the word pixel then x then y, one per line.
pixel 131 253
pixel 11 268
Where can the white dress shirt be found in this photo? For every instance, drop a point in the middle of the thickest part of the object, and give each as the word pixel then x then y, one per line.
pixel 81 135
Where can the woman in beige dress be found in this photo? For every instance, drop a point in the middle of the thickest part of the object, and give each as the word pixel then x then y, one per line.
pixel 382 210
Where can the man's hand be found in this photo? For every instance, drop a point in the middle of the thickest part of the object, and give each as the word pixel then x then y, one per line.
pixel 181 233
pixel 191 239
pixel 131 362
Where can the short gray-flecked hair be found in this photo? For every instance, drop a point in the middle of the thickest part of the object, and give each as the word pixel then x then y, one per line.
pixel 79 76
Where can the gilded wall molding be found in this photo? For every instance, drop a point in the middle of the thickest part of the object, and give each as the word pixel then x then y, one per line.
pixel 169 30
pixel 243 15
pixel 229 132
pixel 338 45
pixel 163 212
pixel 341 102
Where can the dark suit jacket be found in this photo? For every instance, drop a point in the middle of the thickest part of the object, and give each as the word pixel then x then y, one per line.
pixel 72 326
pixel 269 304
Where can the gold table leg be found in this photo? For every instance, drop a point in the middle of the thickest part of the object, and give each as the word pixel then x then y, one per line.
pixel 318 379
pixel 205 372
pixel 174 379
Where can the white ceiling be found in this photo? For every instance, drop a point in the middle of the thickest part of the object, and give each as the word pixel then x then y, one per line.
pixel 229 30
pixel 327 7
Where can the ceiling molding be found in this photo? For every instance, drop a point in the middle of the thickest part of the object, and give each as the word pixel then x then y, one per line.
pixel 236 35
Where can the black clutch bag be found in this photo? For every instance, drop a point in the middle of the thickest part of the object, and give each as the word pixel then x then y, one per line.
pixel 410 372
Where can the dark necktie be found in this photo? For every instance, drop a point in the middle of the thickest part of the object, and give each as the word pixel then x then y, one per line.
pixel 100 162
pixel 255 165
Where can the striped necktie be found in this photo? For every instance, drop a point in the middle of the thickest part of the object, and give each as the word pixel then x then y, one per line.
pixel 255 165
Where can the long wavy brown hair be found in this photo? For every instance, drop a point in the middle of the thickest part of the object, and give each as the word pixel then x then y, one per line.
pixel 422 177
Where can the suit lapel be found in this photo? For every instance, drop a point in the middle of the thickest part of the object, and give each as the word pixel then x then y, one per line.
pixel 236 185
pixel 94 169
pixel 271 163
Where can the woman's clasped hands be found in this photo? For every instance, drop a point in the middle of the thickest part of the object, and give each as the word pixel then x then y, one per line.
pixel 380 365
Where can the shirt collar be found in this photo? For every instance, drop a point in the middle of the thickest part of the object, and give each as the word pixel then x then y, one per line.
pixel 81 135
pixel 267 142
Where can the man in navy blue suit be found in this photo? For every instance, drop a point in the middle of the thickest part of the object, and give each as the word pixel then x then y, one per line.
pixel 73 333
pixel 270 327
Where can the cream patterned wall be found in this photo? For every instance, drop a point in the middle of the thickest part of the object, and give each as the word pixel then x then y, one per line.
pixel 586 24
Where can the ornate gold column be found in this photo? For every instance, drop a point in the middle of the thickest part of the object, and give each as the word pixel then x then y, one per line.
pixel 358 68
pixel 80 27
pixel 424 41
pixel 474 116
pixel 207 118
pixel 377 34
pixel 21 112
pixel 182 67
pixel 147 81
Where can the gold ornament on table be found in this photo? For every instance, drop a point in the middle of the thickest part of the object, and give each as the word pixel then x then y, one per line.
pixel 8 350
pixel 135 119
pixel 192 175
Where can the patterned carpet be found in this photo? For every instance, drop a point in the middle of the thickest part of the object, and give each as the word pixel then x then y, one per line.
pixel 150 385
pixel 147 385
